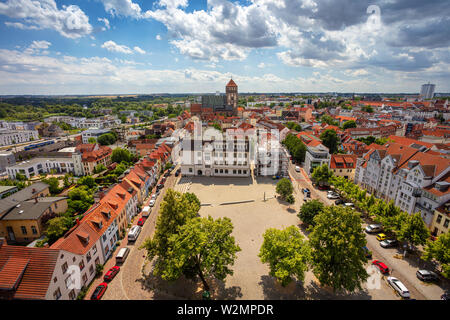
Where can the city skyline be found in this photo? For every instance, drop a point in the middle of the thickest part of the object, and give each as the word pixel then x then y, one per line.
pixel 177 46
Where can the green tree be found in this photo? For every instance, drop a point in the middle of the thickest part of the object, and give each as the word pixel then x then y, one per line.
pixel 439 250
pixel 414 230
pixel 21 177
pixel 322 174
pixel 80 200
pixel 92 140
pixel 349 124
pixel 56 228
pixel 329 120
pixel 204 245
pixel 106 139
pixel 87 181
pixel 296 147
pixel 309 210
pixel 119 155
pixel 337 255
pixel 99 168
pixel 176 209
pixel 330 140
pixel 287 254
pixel 284 188
pixel 53 185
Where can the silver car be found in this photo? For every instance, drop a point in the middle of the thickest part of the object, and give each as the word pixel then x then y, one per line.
pixel 399 287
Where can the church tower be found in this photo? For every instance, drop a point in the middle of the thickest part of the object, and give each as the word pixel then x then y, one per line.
pixel 232 95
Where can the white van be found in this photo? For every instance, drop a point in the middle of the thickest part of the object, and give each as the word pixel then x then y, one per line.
pixel 146 212
pixel 134 233
pixel 122 255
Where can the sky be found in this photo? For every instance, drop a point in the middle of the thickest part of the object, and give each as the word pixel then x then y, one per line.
pixel 86 47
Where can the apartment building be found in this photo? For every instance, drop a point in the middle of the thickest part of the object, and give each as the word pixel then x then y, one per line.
pixel 37 166
pixel 93 133
pixel 316 153
pixel 343 165
pixel 441 220
pixel 415 179
pixel 88 156
pixel 10 137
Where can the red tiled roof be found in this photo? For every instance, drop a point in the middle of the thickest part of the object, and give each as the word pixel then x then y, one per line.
pixel 30 270
pixel 231 83
pixel 343 161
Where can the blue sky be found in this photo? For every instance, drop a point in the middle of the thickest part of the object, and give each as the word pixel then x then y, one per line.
pixel 177 46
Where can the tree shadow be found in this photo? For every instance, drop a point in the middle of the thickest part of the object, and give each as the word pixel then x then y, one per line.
pixel 317 292
pixel 272 290
pixel 219 291
pixel 291 210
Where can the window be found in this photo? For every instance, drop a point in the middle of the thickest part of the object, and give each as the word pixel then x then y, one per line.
pixel 81 265
pixel 439 218
pixel 95 249
pixel 33 230
pixel 446 223
pixel 64 267
pixel 55 279
pixel 85 278
pixel 88 256
pixel 24 229
pixel 68 281
pixel 72 294
pixel 97 261
pixel 74 259
pixel 91 270
pixel 57 294
pixel 190 169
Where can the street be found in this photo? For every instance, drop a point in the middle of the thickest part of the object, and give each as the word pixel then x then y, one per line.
pixel 402 269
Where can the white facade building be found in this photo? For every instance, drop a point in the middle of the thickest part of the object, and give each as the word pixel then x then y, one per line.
pixel 37 166
pixel 10 137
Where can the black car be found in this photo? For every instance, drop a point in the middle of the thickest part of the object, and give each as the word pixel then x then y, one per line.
pixel 177 173
pixel 426 275
pixel 339 201
pixel 167 174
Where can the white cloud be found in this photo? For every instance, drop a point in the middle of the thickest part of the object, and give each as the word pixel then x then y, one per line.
pixel 262 65
pixel 125 8
pixel 70 21
pixel 158 37
pixel 114 47
pixel 106 22
pixel 139 50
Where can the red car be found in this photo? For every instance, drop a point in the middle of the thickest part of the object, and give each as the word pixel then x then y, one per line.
pixel 111 273
pixel 383 268
pixel 99 291
pixel 141 222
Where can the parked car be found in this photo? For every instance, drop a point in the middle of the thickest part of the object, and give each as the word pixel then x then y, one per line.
pixel 122 255
pixel 154 196
pixel 333 196
pixel 321 187
pixel 399 287
pixel 146 212
pixel 111 273
pixel 152 203
pixel 381 237
pixel 141 222
pixel 166 174
pixel 367 253
pixel 134 233
pixel 339 201
pixel 297 168
pixel 99 291
pixel 349 204
pixel 383 268
pixel 427 275
pixel 306 190
pixel 160 186
pixel 177 173
pixel 373 228
pixel 172 167
pixel 389 243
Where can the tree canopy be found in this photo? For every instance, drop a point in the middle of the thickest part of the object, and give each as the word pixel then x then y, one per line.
pixel 119 155
pixel 203 245
pixel 284 188
pixel 330 140
pixel 107 139
pixel 287 254
pixel 439 250
pixel 337 255
pixel 322 174
pixel 349 124
pixel 309 210
pixel 296 147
